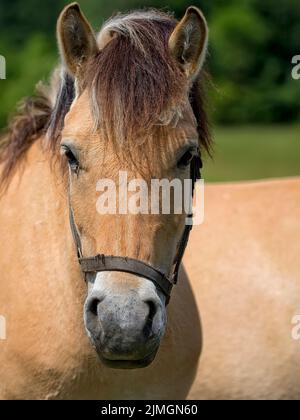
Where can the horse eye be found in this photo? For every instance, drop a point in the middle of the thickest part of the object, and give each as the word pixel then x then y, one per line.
pixel 186 159
pixel 71 158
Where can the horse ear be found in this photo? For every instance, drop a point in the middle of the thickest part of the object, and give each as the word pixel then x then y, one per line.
pixel 76 39
pixel 188 42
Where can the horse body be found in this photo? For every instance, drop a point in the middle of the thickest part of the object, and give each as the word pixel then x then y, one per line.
pixel 243 263
pixel 238 295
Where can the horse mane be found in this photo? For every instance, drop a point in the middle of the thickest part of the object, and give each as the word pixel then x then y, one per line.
pixel 23 130
pixel 134 84
pixel 28 124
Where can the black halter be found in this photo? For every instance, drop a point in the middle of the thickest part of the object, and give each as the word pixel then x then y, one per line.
pixel 101 263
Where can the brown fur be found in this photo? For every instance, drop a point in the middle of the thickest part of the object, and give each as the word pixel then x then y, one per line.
pixel 135 86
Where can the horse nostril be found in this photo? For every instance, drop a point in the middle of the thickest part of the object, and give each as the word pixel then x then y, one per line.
pixel 147 330
pixel 93 306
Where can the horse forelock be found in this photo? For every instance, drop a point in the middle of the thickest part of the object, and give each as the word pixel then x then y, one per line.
pixel 134 81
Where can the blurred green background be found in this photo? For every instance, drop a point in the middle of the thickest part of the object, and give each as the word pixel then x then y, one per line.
pixel 255 102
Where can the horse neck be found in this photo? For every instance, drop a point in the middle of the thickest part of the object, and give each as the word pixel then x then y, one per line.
pixel 38 261
pixel 38 202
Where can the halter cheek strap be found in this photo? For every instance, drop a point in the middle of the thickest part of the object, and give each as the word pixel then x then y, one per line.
pixel 101 263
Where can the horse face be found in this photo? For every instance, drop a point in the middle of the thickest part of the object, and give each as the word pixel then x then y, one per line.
pixel 125 314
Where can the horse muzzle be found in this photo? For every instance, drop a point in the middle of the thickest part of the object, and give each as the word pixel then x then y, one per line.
pixel 125 320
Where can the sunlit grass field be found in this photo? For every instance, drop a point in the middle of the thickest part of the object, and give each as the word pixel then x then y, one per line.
pixel 254 152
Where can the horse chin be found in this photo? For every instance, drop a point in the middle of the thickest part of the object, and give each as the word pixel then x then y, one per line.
pixel 128 364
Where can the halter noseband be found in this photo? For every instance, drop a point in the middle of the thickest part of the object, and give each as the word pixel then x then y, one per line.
pixel 101 262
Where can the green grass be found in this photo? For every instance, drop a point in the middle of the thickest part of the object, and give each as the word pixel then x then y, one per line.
pixel 254 152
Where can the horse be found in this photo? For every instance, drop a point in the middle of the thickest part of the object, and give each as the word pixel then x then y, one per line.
pixel 132 98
